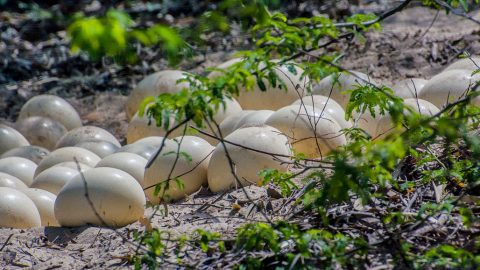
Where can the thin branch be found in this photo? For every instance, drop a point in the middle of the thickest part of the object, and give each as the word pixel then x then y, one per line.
pixel 162 145
pixel 381 17
pixel 456 11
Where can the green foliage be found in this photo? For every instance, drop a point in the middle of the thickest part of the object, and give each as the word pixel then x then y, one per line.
pixel 258 236
pixel 35 12
pixel 355 169
pixel 294 249
pixel 364 21
pixel 168 38
pixel 288 37
pixel 156 247
pixel 375 100
pixel 450 257
pixel 209 241
pixel 114 35
pixel 246 12
pixel 464 4
pixel 284 180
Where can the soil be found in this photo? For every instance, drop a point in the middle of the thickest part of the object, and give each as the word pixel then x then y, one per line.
pixel 409 46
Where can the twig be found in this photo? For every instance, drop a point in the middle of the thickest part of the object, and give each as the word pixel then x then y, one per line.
pixel 380 18
pixel 6 242
pixel 412 200
pixel 86 194
pixel 430 227
pixel 456 12
pixel 253 149
pixel 427 30
pixel 162 145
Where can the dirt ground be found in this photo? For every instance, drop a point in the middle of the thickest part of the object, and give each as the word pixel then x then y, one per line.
pixel 409 46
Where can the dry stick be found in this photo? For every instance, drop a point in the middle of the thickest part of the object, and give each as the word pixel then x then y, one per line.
pixel 179 144
pixel 313 126
pixel 173 167
pixel 367 82
pixel 419 111
pixel 450 106
pixel 298 194
pixel 323 136
pixel 471 87
pixel 174 162
pixel 231 217
pixel 412 200
pixel 355 123
pixel 87 196
pixel 253 149
pixel 182 174
pixel 430 227
pixel 196 204
pixel 457 52
pixel 473 61
pixel 416 95
pixel 348 35
pixel 232 169
pixel 380 18
pixel 150 162
pixel 152 159
pixel 6 242
pixel 95 239
pixel 206 205
pixel 162 145
pixel 428 28
pixel 456 12
pixel 100 218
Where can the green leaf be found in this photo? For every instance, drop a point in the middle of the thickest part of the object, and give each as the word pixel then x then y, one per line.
pixel 261 85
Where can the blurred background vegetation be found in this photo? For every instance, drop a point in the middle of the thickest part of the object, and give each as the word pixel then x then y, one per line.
pixel 176 29
pixel 116 28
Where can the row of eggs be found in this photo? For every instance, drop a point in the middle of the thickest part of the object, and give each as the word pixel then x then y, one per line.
pixel 113 190
pixel 325 106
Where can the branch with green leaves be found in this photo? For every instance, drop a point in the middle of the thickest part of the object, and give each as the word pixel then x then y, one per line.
pixel 363 171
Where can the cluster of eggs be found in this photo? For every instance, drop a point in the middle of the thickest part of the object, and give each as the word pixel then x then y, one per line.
pixel 56 172
pixel 262 129
pixel 41 156
pixel 426 97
